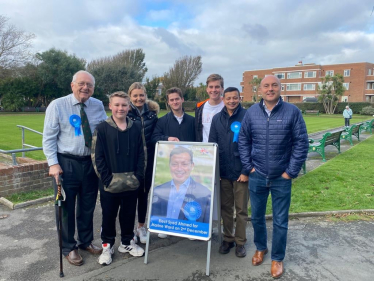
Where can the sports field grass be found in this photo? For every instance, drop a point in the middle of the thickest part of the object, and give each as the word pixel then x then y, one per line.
pixel 11 136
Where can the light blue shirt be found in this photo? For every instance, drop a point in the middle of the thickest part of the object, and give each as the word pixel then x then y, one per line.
pixel 176 199
pixel 267 110
pixel 59 134
pixel 347 113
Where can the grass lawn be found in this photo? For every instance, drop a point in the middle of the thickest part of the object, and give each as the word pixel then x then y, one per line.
pixel 345 182
pixel 30 195
pixel 11 136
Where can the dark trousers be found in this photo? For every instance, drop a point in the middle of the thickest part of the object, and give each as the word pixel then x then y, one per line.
pixel 234 194
pixel 346 122
pixel 80 184
pixel 110 203
pixel 143 191
pixel 280 188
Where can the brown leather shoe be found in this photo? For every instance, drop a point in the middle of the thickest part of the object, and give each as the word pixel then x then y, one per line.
pixel 93 249
pixel 74 258
pixel 276 269
pixel 258 257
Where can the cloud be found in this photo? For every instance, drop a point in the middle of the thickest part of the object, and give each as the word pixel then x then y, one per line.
pixel 230 37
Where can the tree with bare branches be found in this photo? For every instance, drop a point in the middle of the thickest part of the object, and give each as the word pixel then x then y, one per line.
pixel 183 73
pixel 14 45
pixel 118 72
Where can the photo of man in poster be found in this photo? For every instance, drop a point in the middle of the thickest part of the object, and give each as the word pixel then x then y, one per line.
pixel 181 198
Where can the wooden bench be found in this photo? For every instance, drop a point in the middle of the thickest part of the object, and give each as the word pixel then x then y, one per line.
pixel 330 138
pixel 311 112
pixel 367 127
pixel 353 130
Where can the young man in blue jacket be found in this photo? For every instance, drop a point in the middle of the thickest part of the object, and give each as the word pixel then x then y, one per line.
pixel 234 183
pixel 273 145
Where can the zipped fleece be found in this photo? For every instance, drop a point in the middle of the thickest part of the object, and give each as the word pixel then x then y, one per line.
pixel 220 132
pixel 115 151
pixel 168 126
pixel 276 144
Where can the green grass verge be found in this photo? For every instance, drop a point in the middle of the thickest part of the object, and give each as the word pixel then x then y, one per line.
pixel 17 198
pixel 345 182
pixel 11 136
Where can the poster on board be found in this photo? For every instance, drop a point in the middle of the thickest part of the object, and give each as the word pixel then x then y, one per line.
pixel 183 189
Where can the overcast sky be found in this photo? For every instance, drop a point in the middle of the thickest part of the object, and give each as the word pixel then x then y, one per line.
pixel 231 36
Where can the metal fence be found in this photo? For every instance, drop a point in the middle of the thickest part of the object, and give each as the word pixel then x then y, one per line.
pixel 24 144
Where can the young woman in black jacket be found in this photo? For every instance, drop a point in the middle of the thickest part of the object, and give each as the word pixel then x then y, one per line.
pixel 143 112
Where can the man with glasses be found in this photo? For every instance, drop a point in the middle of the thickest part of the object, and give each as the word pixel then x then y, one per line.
pixel 67 136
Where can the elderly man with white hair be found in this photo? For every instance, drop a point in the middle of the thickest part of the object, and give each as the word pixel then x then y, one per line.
pixel 68 126
pixel 347 114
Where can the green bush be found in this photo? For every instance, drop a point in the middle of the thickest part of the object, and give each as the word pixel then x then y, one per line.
pixel 13 101
pixel 189 105
pixel 247 104
pixel 368 110
pixel 310 106
pixel 355 106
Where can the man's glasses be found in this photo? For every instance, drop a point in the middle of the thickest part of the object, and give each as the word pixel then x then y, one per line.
pixel 81 84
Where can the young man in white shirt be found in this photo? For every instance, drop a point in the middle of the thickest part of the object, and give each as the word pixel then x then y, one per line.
pixel 205 110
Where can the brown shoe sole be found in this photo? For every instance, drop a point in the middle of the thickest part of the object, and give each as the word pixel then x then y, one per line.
pixel 279 276
pixel 74 263
pixel 259 263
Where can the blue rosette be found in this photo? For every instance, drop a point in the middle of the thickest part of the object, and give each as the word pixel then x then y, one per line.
pixel 192 211
pixel 235 128
pixel 76 122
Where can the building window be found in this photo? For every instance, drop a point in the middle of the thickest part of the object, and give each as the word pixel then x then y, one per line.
pixel 280 75
pixel 347 72
pixel 294 87
pixel 255 76
pixel 282 88
pixel 310 74
pixel 346 86
pixel 369 71
pixel 329 72
pixel 309 87
pixel 254 89
pixel 294 75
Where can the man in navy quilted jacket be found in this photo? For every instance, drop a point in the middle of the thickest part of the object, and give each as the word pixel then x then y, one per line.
pixel 273 145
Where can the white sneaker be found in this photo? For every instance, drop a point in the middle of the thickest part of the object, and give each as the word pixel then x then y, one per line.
pixel 162 236
pixel 106 256
pixel 132 249
pixel 141 232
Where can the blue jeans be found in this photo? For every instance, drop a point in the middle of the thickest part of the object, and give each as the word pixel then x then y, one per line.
pixel 280 188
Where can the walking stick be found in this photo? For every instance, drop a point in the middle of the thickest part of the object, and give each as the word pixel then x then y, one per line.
pixel 60 224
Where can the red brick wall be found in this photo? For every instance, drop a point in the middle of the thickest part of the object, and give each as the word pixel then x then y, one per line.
pixel 24 177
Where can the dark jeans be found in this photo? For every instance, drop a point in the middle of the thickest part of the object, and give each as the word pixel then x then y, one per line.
pixel 346 121
pixel 280 189
pixel 80 184
pixel 110 203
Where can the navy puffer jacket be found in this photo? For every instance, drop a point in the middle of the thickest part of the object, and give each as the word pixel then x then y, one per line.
pixel 276 144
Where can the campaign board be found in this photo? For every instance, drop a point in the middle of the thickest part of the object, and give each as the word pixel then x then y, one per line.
pixel 182 192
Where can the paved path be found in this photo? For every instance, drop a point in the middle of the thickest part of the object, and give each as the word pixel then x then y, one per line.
pixel 317 250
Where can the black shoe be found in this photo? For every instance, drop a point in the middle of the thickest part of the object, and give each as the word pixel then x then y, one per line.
pixel 225 247
pixel 240 251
